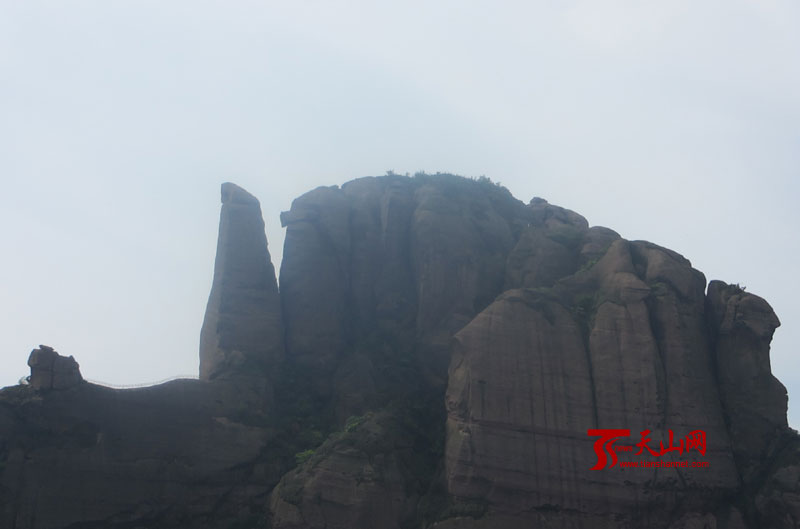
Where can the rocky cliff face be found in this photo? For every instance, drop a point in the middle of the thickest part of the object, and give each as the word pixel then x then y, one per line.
pixel 379 274
pixel 439 354
pixel 164 456
pixel 242 333
pixel 620 344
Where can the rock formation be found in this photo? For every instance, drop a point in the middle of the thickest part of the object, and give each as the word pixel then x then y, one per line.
pixel 741 328
pixel 163 456
pixel 242 334
pixel 379 274
pixel 182 454
pixel 618 345
pixel 440 355
pixel 50 370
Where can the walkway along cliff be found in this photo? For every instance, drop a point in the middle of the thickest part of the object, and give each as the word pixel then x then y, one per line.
pixel 438 354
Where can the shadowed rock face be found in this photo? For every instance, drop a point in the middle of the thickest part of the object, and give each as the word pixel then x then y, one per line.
pixel 379 274
pixel 438 352
pixel 242 334
pixel 50 370
pixel 755 402
pixel 163 456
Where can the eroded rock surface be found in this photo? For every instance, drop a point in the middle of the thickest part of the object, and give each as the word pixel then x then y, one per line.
pixel 365 476
pixel 50 370
pixel 619 345
pixel 242 333
pixel 742 326
pixel 379 274
pixel 437 352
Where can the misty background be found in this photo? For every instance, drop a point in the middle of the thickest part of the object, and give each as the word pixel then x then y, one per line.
pixel 675 122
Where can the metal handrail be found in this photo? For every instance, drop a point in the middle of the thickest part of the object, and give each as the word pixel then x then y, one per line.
pixel 143 384
pixel 26 381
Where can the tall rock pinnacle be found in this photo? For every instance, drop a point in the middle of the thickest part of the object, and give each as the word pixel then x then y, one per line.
pixel 242 332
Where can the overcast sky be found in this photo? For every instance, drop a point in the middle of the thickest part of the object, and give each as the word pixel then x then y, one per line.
pixel 677 122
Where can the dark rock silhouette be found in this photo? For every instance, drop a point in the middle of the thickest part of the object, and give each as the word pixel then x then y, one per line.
pixel 91 456
pixel 242 334
pixel 50 370
pixel 435 357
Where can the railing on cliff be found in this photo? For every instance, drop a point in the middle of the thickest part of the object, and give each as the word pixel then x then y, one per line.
pixel 141 385
pixel 26 380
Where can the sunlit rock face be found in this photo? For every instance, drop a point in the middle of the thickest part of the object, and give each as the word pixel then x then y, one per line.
pixel 436 357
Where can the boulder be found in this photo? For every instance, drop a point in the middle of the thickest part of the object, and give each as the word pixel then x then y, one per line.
pixel 50 370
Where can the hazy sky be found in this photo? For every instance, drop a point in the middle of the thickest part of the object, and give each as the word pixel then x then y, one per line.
pixel 677 122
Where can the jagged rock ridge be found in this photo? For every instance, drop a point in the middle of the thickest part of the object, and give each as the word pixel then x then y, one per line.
pixel 437 352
